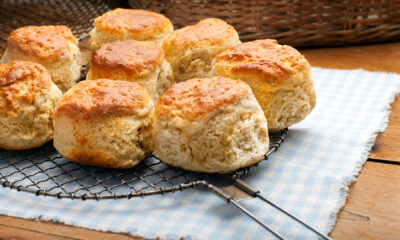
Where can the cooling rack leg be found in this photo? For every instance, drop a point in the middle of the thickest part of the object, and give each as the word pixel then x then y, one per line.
pixel 248 213
pixel 255 193
pixel 230 199
pixel 293 217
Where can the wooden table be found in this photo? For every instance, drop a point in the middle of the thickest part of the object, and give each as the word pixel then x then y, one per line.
pixel 372 210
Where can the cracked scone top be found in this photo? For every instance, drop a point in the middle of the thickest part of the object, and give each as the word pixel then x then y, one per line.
pixel 47 43
pixel 91 99
pixel 126 24
pixel 193 99
pixel 134 61
pixel 209 125
pixel 206 32
pixel 132 21
pixel 138 59
pixel 191 49
pixel 279 76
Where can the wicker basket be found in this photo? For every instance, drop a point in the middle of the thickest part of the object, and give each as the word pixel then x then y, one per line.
pixel 300 23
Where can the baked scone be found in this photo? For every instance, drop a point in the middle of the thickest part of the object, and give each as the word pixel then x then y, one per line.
pixel 209 125
pixel 27 101
pixel 279 76
pixel 190 50
pixel 54 47
pixel 127 24
pixel 104 123
pixel 134 61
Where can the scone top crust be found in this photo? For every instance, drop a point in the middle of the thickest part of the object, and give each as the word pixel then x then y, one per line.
pixel 42 42
pixel 12 73
pixel 91 98
pixel 133 22
pixel 265 59
pixel 194 98
pixel 206 32
pixel 137 58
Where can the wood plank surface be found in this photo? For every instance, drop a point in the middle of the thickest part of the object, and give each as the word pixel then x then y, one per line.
pixel 16 233
pixel 375 57
pixel 372 210
pixel 17 228
pixel 387 144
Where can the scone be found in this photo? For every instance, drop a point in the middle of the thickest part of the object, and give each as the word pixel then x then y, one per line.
pixel 209 125
pixel 27 101
pixel 127 24
pixel 279 76
pixel 134 61
pixel 104 123
pixel 54 47
pixel 190 50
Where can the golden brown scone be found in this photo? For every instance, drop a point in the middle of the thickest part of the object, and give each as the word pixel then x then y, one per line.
pixel 104 123
pixel 127 24
pixel 27 101
pixel 279 76
pixel 190 50
pixel 54 47
pixel 209 125
pixel 134 61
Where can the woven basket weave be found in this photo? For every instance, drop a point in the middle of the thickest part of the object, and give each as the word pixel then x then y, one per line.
pixel 300 23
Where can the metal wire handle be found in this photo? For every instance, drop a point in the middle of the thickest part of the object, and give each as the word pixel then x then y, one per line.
pixel 256 193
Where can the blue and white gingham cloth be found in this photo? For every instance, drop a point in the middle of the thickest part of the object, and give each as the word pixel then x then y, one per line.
pixel 308 175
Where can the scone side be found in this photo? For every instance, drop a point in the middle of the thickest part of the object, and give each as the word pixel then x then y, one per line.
pixel 189 144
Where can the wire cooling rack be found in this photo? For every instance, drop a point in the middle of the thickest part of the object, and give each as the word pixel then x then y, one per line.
pixel 43 171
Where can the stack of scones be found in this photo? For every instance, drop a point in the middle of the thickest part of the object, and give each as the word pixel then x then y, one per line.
pixel 196 97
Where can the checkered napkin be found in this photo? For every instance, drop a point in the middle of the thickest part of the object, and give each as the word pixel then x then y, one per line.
pixel 308 175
